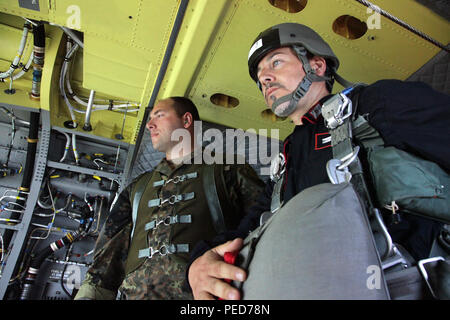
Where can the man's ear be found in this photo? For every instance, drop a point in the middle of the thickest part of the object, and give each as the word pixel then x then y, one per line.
pixel 188 120
pixel 319 64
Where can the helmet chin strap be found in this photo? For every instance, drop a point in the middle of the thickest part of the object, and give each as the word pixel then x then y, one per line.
pixel 293 98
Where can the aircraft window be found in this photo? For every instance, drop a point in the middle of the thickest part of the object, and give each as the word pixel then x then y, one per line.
pixel 291 6
pixel 349 27
pixel 223 100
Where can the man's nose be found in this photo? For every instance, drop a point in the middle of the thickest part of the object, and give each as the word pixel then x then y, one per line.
pixel 150 125
pixel 265 78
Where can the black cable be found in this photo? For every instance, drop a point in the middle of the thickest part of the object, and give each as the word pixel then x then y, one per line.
pixel 66 259
pixel 37 261
pixel 403 24
pixel 26 180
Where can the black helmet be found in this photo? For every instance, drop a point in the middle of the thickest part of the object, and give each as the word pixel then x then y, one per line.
pixel 289 35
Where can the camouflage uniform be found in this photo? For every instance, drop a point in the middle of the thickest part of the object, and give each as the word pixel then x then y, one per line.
pixel 123 261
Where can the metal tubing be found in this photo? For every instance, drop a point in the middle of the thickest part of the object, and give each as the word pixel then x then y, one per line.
pixel 87 120
pixel 72 34
pixel 386 235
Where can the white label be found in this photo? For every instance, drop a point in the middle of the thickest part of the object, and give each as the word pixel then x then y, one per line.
pixel 258 44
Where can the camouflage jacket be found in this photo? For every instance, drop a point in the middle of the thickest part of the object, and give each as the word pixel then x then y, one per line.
pixel 135 258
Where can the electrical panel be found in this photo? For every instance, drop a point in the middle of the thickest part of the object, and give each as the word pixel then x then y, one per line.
pixel 59 172
pixel 73 197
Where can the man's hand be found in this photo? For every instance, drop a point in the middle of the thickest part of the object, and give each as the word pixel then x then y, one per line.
pixel 207 273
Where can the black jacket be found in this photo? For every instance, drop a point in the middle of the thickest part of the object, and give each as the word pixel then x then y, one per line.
pixel 408 115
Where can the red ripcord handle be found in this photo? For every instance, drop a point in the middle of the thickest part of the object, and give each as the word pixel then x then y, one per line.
pixel 229 257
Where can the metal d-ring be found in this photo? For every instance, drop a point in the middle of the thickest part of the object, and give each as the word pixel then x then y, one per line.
pixel 348 159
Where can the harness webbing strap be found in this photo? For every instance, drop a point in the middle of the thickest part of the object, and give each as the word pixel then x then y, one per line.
pixel 176 179
pixel 276 195
pixel 168 221
pixel 140 187
pixel 209 185
pixel 163 250
pixel 171 200
pixel 337 113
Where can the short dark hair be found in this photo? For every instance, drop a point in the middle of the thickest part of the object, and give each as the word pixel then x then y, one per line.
pixel 183 105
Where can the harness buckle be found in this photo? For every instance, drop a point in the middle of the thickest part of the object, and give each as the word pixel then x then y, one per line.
pixel 277 167
pixel 171 200
pixel 421 264
pixel 163 250
pixel 168 220
pixel 337 169
pixel 176 179
pixel 336 110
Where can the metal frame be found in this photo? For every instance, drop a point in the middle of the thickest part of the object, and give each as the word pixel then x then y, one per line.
pixel 22 229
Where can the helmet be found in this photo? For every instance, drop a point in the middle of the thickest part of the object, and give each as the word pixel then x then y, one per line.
pixel 289 34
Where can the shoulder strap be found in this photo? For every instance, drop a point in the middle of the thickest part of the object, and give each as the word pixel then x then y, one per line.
pixel 212 197
pixel 345 165
pixel 137 195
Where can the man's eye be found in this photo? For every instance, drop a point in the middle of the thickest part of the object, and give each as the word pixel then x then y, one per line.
pixel 276 63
